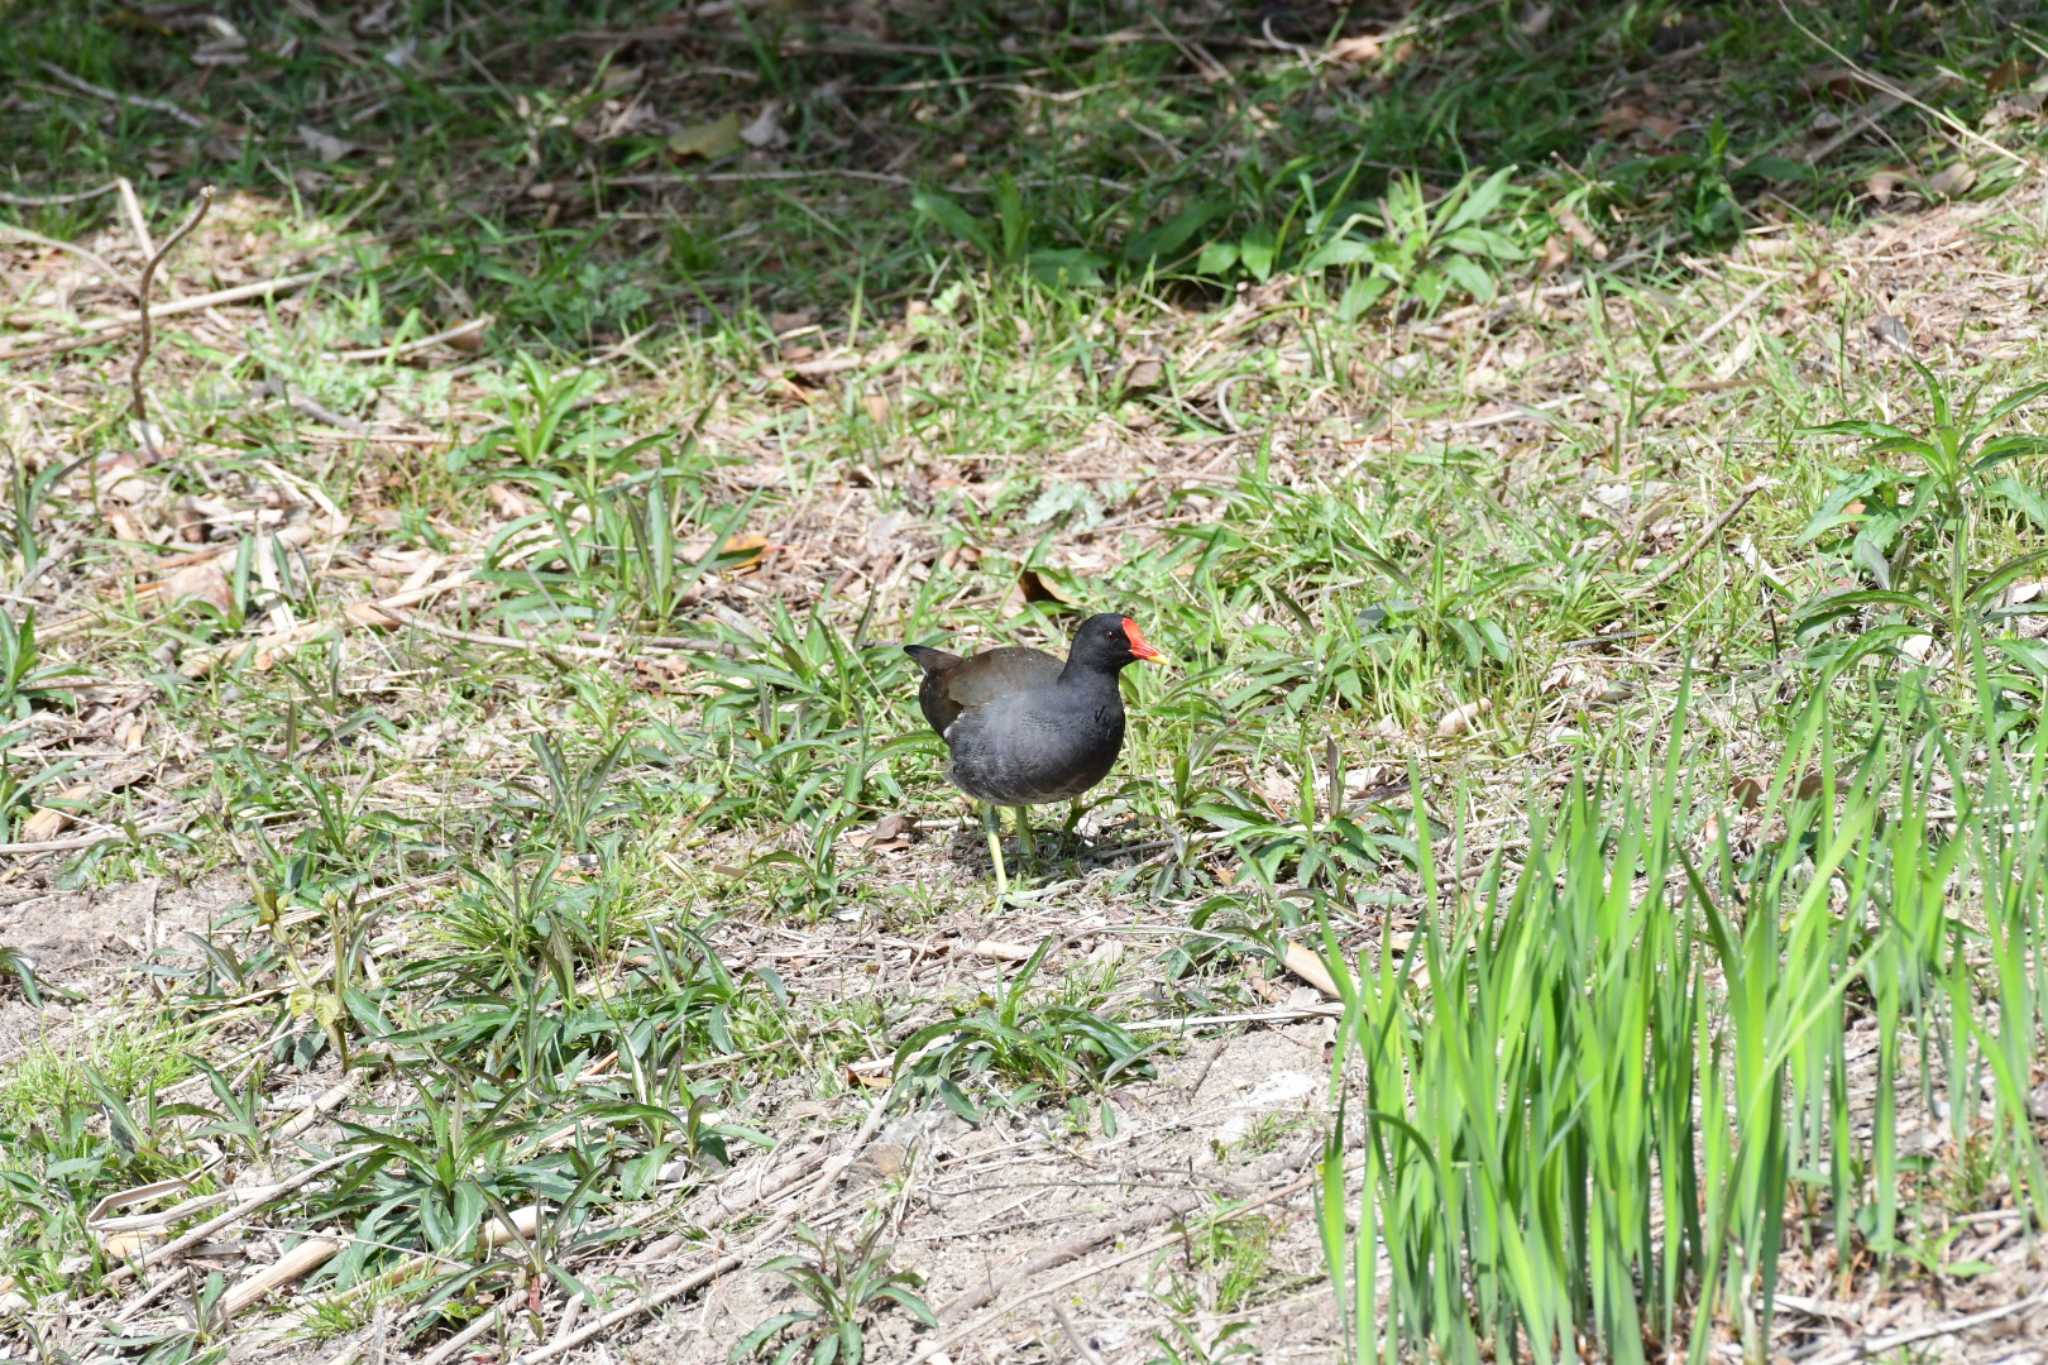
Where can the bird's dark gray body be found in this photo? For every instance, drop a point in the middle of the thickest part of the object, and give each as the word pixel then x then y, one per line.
pixel 1023 727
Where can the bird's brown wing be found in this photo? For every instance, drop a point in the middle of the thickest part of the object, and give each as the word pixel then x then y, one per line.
pixel 952 684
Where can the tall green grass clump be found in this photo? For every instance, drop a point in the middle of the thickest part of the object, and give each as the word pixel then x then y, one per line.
pixel 1599 1094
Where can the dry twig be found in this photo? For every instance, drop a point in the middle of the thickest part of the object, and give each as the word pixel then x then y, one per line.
pixel 1706 537
pixel 138 405
pixel 97 330
pixel 1871 1347
pixel 979 1327
pixel 86 87
pixel 267 1194
pixel 1879 83
pixel 725 1265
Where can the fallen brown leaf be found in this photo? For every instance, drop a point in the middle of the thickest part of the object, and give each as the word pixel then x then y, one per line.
pixel 2008 74
pixel 765 130
pixel 1827 78
pixel 745 552
pixel 208 582
pixel 2024 107
pixel 1580 233
pixel 1036 589
pixel 1357 49
pixel 1309 968
pixel 1953 179
pixel 891 832
pixel 1146 372
pixel 1459 719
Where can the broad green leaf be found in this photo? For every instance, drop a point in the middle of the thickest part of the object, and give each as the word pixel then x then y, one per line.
pixel 1360 295
pixel 948 214
pixel 1482 202
pixel 1257 251
pixel 1217 258
pixel 1166 240
pixel 1470 276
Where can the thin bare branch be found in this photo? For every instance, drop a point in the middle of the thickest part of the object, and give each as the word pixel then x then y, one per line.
pixel 139 406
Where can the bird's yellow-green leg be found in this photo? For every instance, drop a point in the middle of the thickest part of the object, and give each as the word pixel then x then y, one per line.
pixel 1073 815
pixel 1024 833
pixel 993 825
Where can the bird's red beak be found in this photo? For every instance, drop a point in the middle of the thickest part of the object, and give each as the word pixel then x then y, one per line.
pixel 1139 649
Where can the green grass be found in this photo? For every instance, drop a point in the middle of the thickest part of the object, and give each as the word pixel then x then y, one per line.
pixel 1394 387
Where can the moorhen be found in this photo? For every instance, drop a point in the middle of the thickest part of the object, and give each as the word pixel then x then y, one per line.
pixel 1025 729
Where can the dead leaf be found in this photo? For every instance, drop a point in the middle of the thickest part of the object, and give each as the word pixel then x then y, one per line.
pixel 735 554
pixel 1036 589
pixel 746 553
pixel 1565 676
pixel 660 672
pixel 1587 239
pixel 1536 20
pixel 891 832
pixel 47 822
pixel 1459 719
pixel 719 137
pixel 1621 120
pixel 508 501
pixel 326 146
pixel 1555 254
pixel 2008 74
pixel 1264 989
pixel 1146 372
pixel 1882 184
pixel 1827 78
pixel 881 1161
pixel 1309 968
pixel 876 405
pixel 2021 108
pixel 208 582
pixel 1627 118
pixel 765 130
pixel 1747 791
pixel 873 1074
pixel 1662 127
pixel 1357 49
pixel 1953 179
pixel 121 478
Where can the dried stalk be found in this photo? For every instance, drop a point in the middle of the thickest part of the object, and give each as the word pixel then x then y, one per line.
pixel 139 406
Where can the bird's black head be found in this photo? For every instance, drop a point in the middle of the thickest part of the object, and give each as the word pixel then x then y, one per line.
pixel 1107 642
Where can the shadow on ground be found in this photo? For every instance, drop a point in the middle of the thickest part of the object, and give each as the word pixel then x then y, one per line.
pixel 585 173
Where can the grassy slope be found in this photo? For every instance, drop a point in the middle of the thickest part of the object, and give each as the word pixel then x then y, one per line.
pixel 584 881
